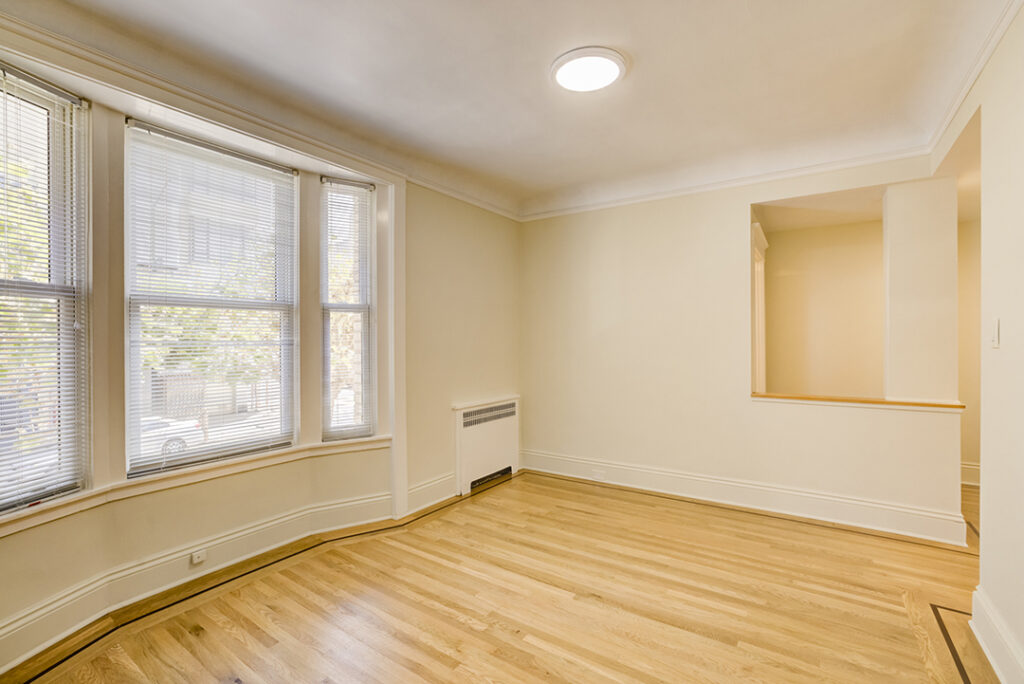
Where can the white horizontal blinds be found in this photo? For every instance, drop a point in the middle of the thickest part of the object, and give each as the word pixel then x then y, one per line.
pixel 211 290
pixel 349 322
pixel 43 273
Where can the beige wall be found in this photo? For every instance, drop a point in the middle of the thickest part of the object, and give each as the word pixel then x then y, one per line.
pixel 635 369
pixel 969 284
pixel 999 602
pixel 825 301
pixel 462 320
pixel 921 291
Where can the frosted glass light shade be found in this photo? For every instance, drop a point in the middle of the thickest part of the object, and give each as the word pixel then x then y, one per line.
pixel 589 68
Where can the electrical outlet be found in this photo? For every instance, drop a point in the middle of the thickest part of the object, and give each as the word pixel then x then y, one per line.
pixel 598 474
pixel 198 556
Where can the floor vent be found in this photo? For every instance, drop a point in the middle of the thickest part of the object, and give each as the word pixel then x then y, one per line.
pixel 486 442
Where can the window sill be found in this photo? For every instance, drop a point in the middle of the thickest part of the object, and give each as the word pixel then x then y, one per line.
pixel 863 402
pixel 54 509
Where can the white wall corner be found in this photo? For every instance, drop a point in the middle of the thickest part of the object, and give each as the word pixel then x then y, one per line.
pixel 1005 653
pixel 913 521
pixel 396 261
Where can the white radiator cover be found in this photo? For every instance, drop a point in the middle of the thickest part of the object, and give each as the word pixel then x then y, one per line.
pixel 486 439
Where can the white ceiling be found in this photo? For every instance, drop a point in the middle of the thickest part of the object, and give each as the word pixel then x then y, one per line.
pixel 717 89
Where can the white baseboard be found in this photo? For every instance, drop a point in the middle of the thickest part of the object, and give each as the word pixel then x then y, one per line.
pixel 1005 654
pixel 28 632
pixel 877 515
pixel 970 473
pixel 430 492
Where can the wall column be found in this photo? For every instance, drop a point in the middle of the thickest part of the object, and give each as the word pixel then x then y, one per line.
pixel 758 249
pixel 920 236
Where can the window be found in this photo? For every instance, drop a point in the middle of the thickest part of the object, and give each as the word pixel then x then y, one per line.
pixel 349 316
pixel 211 302
pixel 43 260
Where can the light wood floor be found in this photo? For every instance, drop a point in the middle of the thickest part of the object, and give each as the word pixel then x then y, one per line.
pixel 970 500
pixel 546 579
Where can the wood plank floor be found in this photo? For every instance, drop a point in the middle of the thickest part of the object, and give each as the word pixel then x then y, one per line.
pixel 547 579
pixel 970 500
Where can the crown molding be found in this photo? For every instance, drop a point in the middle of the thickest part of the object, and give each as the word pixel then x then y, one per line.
pixel 662 186
pixel 503 209
pixel 492 196
pixel 62 53
pixel 1010 12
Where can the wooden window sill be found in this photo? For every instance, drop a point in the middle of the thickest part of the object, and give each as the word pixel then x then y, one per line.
pixel 857 400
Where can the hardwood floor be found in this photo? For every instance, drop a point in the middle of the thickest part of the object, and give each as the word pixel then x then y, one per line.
pixel 970 499
pixel 548 579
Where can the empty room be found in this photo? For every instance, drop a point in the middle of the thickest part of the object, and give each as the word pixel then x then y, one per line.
pixel 476 341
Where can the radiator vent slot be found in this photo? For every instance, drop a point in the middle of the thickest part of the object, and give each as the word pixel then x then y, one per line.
pixel 486 415
pixel 507 470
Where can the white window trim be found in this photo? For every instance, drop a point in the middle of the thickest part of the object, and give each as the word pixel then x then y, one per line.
pixel 289 370
pixel 367 309
pixel 116 90
pixel 64 292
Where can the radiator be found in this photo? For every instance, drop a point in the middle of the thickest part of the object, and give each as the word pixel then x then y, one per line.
pixel 486 441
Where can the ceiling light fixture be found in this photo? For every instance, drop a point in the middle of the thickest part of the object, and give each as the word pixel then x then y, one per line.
pixel 588 68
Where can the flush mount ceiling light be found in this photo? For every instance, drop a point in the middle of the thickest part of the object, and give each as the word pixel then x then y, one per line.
pixel 588 68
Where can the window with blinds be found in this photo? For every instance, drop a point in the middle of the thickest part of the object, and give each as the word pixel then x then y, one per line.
pixel 211 302
pixel 43 262
pixel 349 317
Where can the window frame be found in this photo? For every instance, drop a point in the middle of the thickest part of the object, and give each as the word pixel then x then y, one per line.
pixel 61 286
pixel 368 310
pixel 289 349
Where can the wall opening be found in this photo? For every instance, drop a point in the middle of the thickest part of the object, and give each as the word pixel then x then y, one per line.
pixel 822 299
